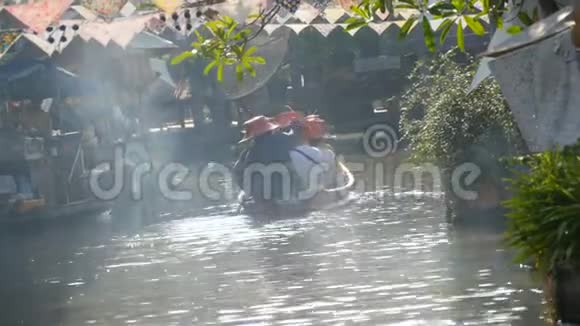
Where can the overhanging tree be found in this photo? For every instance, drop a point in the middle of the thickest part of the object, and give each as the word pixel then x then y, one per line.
pixel 229 40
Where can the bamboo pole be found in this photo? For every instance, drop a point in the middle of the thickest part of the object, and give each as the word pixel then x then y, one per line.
pixel 576 28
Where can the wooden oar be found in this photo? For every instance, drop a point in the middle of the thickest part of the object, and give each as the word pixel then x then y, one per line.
pixel 349 176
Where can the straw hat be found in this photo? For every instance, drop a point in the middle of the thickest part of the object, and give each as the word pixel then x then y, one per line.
pixel 257 126
pixel 315 127
pixel 287 118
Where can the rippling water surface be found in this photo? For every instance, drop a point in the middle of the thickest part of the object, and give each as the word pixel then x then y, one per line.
pixel 395 262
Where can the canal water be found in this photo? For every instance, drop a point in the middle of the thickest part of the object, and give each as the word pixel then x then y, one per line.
pixel 380 261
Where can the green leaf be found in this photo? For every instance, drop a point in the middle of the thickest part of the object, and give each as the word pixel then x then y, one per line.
pixel 428 35
pixel 409 2
pixel 389 6
pixel 368 11
pixel 221 33
pixel 471 5
pixel 351 20
pixel 562 231
pixel 474 25
pixel 250 69
pixel 230 61
pixel 485 4
pixel 406 6
pixel 240 72
pixel 514 29
pixel 458 4
pixel 384 5
pixel 444 9
pixel 360 11
pixel 220 71
pixel 183 56
pixel 408 26
pixel 434 11
pixel 444 28
pixel 255 16
pixel 259 60
pixel 525 18
pixel 536 14
pixel 445 6
pixel 499 23
pixel 358 23
pixel 228 20
pixel 209 67
pixel 376 6
pixel 238 50
pixel 200 38
pixel 570 251
pixel 231 29
pixel 250 51
pixel 460 39
pixel 446 14
pixel 212 26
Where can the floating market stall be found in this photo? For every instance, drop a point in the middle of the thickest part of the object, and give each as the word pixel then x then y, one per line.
pixel 49 169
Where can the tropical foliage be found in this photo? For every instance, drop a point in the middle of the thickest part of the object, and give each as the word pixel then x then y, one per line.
pixel 440 117
pixel 227 46
pixel 229 40
pixel 475 14
pixel 545 209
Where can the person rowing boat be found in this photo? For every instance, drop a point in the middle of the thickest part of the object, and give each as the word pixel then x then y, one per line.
pixel 281 166
pixel 317 133
pixel 267 146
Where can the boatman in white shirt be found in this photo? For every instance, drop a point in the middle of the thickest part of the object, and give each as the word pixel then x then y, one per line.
pixel 317 132
pixel 307 162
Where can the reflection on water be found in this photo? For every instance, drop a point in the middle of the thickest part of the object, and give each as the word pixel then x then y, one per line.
pixel 393 262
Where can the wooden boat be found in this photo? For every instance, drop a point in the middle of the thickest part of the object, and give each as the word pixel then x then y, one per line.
pixel 35 210
pixel 325 200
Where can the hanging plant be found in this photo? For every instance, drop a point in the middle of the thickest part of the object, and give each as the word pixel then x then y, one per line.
pixel 440 117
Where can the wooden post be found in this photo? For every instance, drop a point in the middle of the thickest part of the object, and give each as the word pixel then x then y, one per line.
pixel 576 28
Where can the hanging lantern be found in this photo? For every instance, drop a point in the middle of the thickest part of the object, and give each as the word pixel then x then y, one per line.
pixel 169 6
pixel 107 8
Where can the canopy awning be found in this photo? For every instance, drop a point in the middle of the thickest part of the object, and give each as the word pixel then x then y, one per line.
pixel 38 15
pixel 39 79
pixel 539 72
